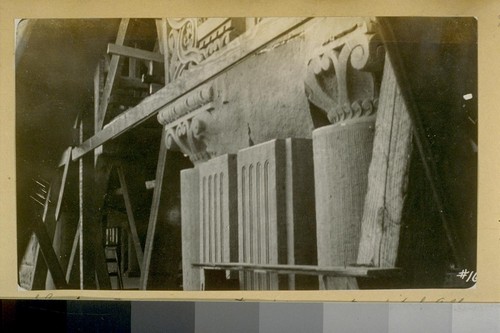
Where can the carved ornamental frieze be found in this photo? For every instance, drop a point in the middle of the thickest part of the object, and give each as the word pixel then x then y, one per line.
pixel 192 40
pixel 344 76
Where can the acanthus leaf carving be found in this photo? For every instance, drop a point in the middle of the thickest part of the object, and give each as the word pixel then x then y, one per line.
pixel 343 78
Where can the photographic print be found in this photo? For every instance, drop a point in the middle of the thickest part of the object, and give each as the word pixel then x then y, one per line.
pixel 246 153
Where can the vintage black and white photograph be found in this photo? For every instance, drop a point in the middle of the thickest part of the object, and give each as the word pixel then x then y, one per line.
pixel 246 153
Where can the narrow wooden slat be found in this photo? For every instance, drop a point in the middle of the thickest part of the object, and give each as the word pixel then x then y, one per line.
pixel 97 94
pixel 265 32
pixel 337 271
pixel 153 217
pixel 130 215
pixel 67 156
pixel 79 123
pixel 135 53
pixel 110 79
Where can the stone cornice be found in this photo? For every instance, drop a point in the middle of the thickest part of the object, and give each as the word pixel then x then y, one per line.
pixel 186 104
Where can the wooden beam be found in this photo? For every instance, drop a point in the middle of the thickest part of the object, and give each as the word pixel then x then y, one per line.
pixel 110 78
pixel 97 93
pixel 153 217
pixel 240 48
pixel 134 83
pixel 337 271
pixel 73 250
pixel 67 160
pixel 134 53
pixel 387 176
pixel 49 255
pixel 130 215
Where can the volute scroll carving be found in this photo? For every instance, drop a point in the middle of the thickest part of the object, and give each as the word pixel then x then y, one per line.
pixel 343 78
pixel 188 137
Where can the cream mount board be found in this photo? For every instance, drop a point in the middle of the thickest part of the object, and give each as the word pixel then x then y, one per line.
pixel 358 146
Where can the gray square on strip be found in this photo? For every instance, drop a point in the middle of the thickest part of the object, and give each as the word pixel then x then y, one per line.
pixel 215 317
pixel 355 317
pixel 470 318
pixel 165 317
pixel 291 317
pixel 420 317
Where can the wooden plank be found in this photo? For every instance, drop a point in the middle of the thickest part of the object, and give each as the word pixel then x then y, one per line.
pixel 153 217
pixel 387 176
pixel 336 271
pixel 130 215
pixel 110 78
pixel 67 160
pixel 423 146
pixel 239 49
pixel 135 53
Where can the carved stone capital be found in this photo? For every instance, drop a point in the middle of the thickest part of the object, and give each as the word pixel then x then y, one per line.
pixel 343 78
pixel 188 137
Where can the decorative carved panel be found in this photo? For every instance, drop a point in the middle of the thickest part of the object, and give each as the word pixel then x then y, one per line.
pixel 192 40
